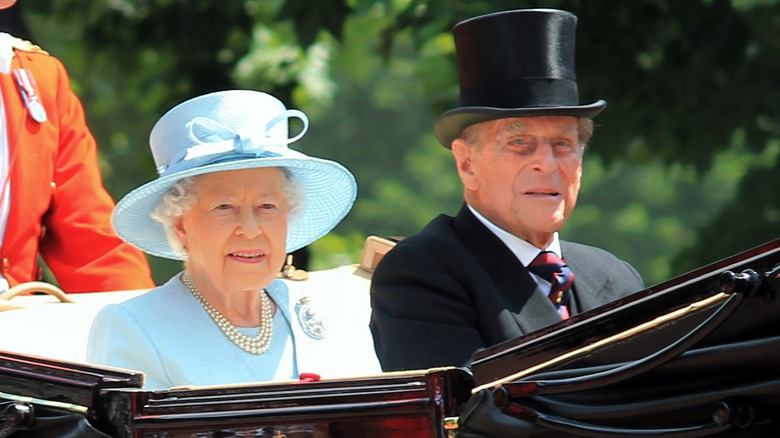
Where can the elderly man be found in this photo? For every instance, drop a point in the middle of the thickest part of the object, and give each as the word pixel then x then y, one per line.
pixel 496 271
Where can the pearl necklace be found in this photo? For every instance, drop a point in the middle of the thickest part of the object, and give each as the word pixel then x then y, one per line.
pixel 257 345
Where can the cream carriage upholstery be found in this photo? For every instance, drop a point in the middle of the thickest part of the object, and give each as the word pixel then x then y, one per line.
pixel 56 325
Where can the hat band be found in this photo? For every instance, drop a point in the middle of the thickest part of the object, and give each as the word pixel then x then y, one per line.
pixel 529 93
pixel 217 142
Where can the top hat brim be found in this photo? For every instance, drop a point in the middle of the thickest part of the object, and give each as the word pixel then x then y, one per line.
pixel 451 124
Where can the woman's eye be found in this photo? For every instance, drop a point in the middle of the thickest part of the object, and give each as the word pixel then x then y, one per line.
pixel 267 206
pixel 223 207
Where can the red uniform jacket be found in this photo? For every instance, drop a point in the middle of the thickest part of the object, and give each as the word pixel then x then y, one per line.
pixel 59 207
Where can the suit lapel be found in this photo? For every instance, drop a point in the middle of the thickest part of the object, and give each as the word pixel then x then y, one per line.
pixel 589 284
pixel 530 308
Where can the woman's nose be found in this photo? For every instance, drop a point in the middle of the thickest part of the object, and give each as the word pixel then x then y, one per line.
pixel 248 223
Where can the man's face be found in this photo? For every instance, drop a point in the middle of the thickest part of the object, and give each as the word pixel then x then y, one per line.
pixel 523 173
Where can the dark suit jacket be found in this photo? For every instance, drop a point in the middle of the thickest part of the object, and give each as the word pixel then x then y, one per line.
pixel 453 289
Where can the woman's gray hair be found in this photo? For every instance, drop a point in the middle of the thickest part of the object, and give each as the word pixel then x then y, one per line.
pixel 184 195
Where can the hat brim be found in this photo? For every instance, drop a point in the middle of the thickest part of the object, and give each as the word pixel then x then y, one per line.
pixel 328 192
pixel 451 124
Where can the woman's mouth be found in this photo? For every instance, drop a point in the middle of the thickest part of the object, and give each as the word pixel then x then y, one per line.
pixel 247 256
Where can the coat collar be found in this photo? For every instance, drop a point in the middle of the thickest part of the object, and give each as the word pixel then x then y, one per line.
pixel 6 52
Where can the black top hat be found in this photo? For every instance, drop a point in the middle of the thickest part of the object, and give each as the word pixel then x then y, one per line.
pixel 514 64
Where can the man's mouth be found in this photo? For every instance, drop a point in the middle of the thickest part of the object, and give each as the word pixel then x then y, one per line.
pixel 542 193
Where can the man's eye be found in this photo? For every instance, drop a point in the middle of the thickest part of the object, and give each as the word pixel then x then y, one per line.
pixel 563 145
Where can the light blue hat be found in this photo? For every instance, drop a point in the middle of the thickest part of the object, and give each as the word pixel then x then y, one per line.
pixel 230 130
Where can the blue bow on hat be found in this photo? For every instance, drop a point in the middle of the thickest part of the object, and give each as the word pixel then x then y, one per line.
pixel 215 141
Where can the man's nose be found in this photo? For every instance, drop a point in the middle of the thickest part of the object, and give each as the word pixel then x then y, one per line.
pixel 544 157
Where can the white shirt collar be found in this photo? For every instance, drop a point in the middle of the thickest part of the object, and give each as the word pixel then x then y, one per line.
pixel 6 55
pixel 6 52
pixel 522 249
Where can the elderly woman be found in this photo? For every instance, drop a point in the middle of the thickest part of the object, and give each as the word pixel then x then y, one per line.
pixel 231 201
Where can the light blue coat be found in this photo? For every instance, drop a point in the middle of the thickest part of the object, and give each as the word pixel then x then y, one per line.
pixel 166 334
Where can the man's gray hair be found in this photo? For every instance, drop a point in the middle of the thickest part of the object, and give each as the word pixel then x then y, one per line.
pixel 184 195
pixel 584 131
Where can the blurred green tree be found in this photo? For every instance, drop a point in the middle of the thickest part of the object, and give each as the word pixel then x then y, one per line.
pixel 680 173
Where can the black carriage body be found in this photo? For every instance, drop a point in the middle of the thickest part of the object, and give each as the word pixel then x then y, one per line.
pixel 697 355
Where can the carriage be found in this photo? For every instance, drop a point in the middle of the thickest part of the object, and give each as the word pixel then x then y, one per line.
pixel 696 355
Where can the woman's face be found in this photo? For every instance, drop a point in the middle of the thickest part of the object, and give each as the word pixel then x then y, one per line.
pixel 235 236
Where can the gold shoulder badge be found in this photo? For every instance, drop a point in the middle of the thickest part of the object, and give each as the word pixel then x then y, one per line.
pixel 27 46
pixel 290 272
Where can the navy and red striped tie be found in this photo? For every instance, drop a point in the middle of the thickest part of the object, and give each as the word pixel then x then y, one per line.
pixel 552 268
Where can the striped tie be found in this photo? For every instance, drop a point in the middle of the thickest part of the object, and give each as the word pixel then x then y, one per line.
pixel 552 268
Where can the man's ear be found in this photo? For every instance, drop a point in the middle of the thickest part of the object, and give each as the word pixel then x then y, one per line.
pixel 463 155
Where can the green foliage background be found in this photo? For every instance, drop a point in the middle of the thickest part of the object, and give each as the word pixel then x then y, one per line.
pixel 681 171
